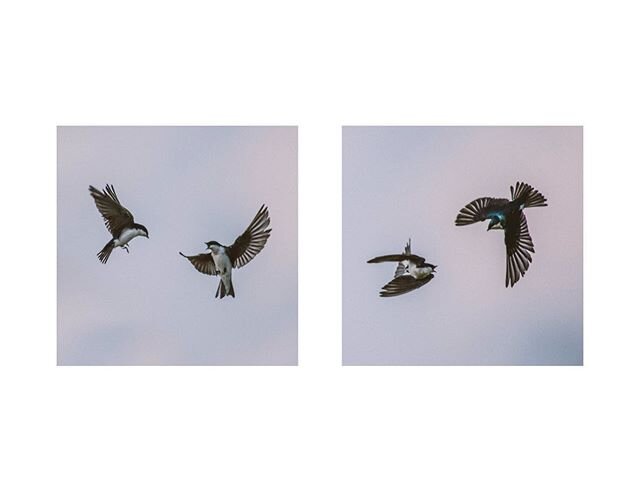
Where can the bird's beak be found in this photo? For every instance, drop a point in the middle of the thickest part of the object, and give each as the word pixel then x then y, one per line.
pixel 434 268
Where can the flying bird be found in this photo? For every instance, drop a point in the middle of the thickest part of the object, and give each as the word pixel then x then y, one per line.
pixel 117 219
pixel 220 260
pixel 411 272
pixel 508 215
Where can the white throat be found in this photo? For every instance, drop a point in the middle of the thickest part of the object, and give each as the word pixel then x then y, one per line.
pixel 216 249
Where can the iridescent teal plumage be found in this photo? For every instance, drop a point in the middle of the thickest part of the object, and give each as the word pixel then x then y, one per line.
pixel 508 215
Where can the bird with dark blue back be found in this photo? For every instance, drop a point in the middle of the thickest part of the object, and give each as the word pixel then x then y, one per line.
pixel 508 215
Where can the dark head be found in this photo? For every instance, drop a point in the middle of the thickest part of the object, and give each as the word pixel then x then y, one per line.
pixel 433 267
pixel 144 231
pixel 212 243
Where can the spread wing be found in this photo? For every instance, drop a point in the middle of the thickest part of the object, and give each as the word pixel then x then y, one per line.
pixel 519 247
pixel 403 284
pixel 478 209
pixel 203 263
pixel 399 257
pixel 252 241
pixel 115 216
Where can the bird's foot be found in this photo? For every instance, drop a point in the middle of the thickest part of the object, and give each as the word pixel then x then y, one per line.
pixel 126 248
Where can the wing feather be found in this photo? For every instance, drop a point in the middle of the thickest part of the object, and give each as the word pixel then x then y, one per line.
pixel 252 241
pixel 478 210
pixel 403 284
pixel 400 257
pixel 519 247
pixel 401 268
pixel 203 263
pixel 115 216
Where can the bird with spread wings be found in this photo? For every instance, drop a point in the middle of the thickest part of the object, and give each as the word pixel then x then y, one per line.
pixel 219 260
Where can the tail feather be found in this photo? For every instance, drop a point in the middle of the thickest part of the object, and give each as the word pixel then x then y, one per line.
pixel 407 248
pixel 527 195
pixel 103 255
pixel 401 268
pixel 222 290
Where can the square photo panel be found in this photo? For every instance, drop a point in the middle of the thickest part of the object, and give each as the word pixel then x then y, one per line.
pixel 462 246
pixel 171 242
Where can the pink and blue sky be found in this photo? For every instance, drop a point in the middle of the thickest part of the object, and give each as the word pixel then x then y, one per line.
pixel 187 185
pixel 410 182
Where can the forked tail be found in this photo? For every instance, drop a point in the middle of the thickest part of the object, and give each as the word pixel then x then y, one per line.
pixel 222 290
pixel 527 195
pixel 103 255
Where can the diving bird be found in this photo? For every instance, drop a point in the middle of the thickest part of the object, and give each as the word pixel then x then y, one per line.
pixel 508 215
pixel 411 272
pixel 220 260
pixel 117 219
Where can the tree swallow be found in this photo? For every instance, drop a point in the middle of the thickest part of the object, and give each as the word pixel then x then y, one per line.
pixel 411 273
pixel 117 219
pixel 508 215
pixel 219 259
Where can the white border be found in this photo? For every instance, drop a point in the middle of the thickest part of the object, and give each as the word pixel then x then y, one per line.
pixel 319 427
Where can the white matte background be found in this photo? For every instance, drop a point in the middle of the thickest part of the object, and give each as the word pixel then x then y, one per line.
pixel 319 427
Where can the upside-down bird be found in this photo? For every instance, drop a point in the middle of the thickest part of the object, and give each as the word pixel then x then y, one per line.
pixel 411 272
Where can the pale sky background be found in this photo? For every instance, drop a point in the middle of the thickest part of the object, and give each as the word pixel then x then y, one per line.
pixel 187 185
pixel 401 182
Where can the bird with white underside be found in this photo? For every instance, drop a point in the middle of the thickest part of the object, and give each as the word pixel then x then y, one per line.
pixel 118 220
pixel 412 272
pixel 220 260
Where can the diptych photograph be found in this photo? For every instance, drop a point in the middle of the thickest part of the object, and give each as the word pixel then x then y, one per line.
pixel 177 246
pixel 258 247
pixel 462 246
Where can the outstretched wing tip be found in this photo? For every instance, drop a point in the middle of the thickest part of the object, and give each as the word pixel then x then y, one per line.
pixel 114 214
pixel 203 263
pixel 519 250
pixel 402 285
pixel 252 241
